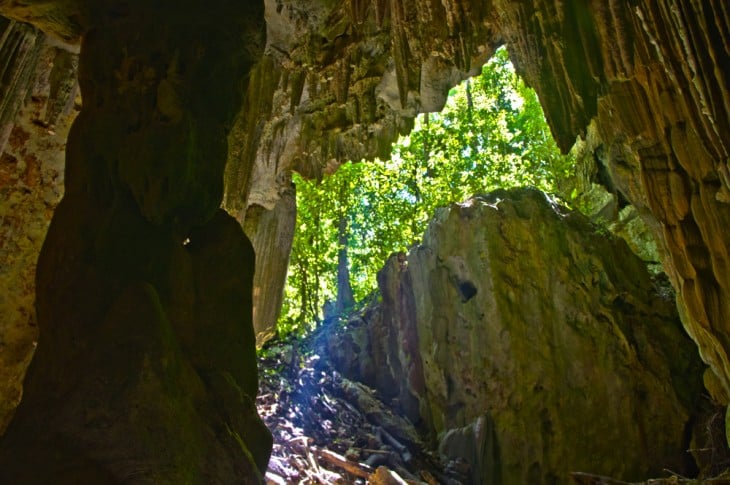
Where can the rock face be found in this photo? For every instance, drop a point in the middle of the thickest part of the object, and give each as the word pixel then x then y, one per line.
pixel 37 110
pixel 341 79
pixel 546 342
pixel 145 368
pixel 271 233
pixel 648 75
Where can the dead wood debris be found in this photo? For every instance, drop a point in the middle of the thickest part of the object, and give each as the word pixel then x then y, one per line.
pixel 330 430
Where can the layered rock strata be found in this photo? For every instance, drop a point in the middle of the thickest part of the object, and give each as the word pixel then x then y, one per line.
pixel 145 368
pixel 543 339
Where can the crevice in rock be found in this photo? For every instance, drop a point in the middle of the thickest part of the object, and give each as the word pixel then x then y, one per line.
pixel 467 290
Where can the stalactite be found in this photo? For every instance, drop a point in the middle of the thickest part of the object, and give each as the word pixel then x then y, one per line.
pixel 401 55
pixel 20 49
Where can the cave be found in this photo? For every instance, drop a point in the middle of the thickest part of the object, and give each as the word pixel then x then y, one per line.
pixel 146 300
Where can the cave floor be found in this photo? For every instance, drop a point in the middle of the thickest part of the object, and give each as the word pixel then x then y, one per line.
pixel 328 429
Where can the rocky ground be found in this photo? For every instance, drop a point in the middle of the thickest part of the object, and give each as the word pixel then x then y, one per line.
pixel 328 429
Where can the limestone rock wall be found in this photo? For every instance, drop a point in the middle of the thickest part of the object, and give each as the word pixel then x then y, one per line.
pixel 20 47
pixel 649 75
pixel 38 107
pixel 271 233
pixel 342 80
pixel 145 369
pixel 515 310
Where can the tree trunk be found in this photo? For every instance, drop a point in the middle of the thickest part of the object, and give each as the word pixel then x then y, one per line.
pixel 345 298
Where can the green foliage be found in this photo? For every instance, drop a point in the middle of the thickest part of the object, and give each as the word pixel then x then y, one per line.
pixel 492 133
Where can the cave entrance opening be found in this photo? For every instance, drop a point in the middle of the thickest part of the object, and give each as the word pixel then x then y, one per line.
pixel 491 134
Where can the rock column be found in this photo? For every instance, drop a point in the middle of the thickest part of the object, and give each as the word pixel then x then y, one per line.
pixel 145 370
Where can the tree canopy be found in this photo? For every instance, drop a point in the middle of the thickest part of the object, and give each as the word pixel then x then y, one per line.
pixel 491 134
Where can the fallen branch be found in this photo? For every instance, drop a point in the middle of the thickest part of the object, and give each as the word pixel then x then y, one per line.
pixel 385 476
pixel 371 451
pixel 274 479
pixel 358 469
pixel 312 461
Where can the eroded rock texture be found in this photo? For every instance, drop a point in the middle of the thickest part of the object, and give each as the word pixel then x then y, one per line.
pixel 545 342
pixel 37 109
pixel 271 233
pixel 649 74
pixel 341 80
pixel 145 368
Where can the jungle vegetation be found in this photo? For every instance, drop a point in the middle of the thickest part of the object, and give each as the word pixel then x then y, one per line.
pixel 491 134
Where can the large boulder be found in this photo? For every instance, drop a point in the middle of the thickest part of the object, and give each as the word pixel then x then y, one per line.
pixel 521 315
